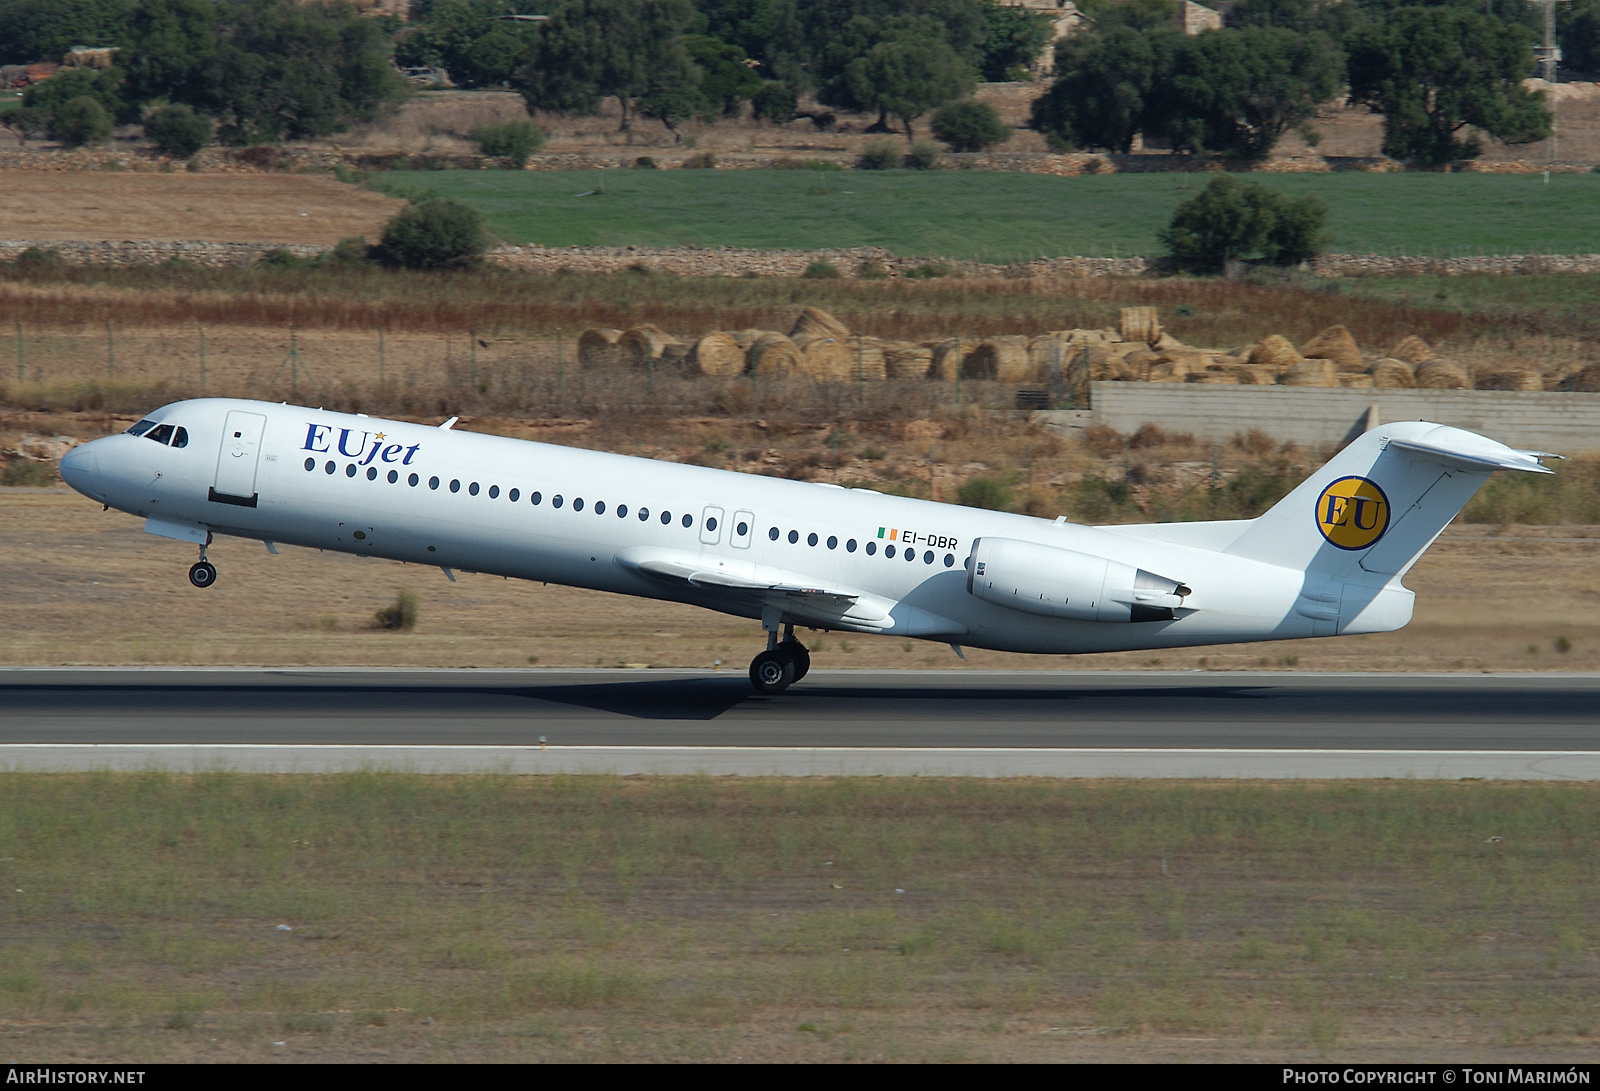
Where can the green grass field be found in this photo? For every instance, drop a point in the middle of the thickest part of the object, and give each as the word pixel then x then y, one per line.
pixel 10 100
pixel 598 918
pixel 1002 217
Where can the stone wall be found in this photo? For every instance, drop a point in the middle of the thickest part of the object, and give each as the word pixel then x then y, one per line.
pixel 1565 422
pixel 735 262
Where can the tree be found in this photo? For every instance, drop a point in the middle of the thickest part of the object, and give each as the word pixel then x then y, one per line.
pixel 281 70
pixel 623 49
pixel 1101 97
pixel 726 81
pixel 775 102
pixel 907 75
pixel 466 38
pixel 1013 40
pixel 970 126
pixel 1232 220
pixel 80 121
pixel 169 44
pixel 1434 71
pixel 436 234
pixel 1236 92
pixel 178 130
pixel 1580 37
pixel 103 86
pixel 512 141
pixel 38 30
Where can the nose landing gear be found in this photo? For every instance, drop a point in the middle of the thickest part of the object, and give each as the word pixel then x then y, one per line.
pixel 783 664
pixel 203 573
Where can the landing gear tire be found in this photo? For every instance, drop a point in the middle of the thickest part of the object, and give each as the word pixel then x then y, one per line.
pixel 772 672
pixel 797 652
pixel 203 574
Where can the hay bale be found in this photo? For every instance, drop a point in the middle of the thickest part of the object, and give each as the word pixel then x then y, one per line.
pixel 1442 375
pixel 948 357
pixel 1355 379
pixel 1003 359
pixel 1391 374
pixel 746 338
pixel 642 344
pixel 1336 344
pixel 1053 353
pixel 867 360
pixel 1275 352
pixel 1587 380
pixel 1312 373
pixel 717 354
pixel 1166 343
pixel 1508 377
pixel 1140 324
pixel 1413 350
pixel 774 356
pixel 902 360
pixel 597 348
pixel 1165 369
pixel 1135 366
pixel 1250 375
pixel 1103 362
pixel 815 322
pixel 1218 377
pixel 826 359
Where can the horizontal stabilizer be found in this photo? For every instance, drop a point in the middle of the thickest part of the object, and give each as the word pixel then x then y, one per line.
pixel 1457 447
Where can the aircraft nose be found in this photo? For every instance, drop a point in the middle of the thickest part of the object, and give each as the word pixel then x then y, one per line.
pixel 80 466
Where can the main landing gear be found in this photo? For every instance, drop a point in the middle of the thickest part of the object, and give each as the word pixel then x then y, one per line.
pixel 203 573
pixel 783 664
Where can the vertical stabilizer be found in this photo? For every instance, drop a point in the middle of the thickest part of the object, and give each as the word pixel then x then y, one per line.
pixel 1378 504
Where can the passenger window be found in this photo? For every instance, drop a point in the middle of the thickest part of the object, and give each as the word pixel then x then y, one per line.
pixel 622 511
pixel 927 558
pixel 372 473
pixel 949 560
pixel 412 480
pixel 794 536
pixel 535 497
pixel 833 543
pixel 599 507
pixel 350 470
pixel 742 529
pixel 394 475
pixel 773 534
pixel 811 539
pixel 329 467
pixel 433 482
pixel 688 521
pixel 556 501
pixel 513 496
pixel 141 428
pixel 455 485
pixel 644 515
pixel 161 433
pixel 472 489
pixel 494 492
pixel 311 464
pixel 872 547
pixel 888 551
pixel 577 505
pixel 181 438
pixel 850 546
pixel 666 517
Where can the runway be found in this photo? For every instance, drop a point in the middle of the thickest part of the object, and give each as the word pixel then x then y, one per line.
pixel 1155 724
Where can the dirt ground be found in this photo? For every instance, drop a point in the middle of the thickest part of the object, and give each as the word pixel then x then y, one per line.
pixel 275 208
pixel 89 587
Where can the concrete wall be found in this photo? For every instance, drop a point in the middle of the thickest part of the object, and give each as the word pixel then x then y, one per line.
pixel 1566 423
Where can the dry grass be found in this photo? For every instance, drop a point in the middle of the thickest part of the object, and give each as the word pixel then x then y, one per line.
pixel 83 586
pixel 49 205
pixel 594 918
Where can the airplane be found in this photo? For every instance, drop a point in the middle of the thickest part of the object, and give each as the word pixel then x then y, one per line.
pixel 1328 559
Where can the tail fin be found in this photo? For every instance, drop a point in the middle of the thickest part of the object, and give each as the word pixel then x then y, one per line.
pixel 1379 503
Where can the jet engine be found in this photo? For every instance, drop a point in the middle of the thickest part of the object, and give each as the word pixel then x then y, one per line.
pixel 1041 579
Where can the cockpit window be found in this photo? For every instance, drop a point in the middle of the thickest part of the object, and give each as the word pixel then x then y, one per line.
pixel 161 433
pixel 181 438
pixel 141 428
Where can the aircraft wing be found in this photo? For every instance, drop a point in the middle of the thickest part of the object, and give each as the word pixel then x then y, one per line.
pixel 751 583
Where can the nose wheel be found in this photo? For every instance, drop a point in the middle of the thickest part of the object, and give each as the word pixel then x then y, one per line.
pixel 783 664
pixel 203 573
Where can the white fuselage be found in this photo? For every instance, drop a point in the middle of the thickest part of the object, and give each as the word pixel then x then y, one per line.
pixel 464 501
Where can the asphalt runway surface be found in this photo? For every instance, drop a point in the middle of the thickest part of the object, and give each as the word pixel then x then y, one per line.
pixel 1012 723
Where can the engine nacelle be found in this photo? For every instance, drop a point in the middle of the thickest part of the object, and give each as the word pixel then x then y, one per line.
pixel 1041 579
